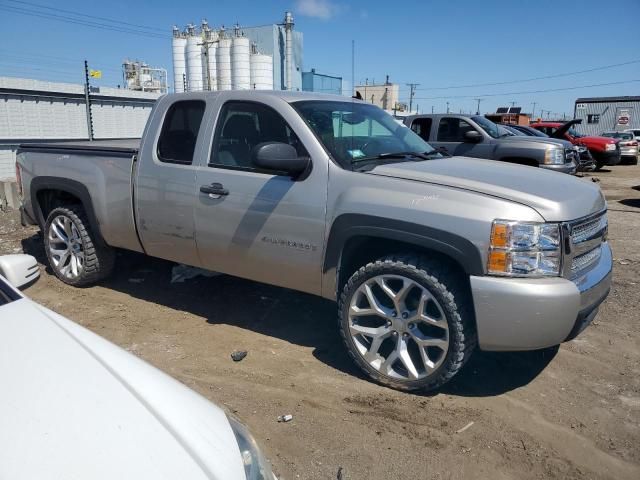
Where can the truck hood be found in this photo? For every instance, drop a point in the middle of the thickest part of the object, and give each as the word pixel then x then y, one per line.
pixel 556 197
pixel 537 140
pixel 76 406
pixel 594 142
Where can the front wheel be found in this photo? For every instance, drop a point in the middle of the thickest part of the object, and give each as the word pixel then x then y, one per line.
pixel 407 322
pixel 72 250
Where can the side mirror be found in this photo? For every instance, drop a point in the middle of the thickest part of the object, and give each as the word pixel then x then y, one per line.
pixel 279 156
pixel 472 136
pixel 19 270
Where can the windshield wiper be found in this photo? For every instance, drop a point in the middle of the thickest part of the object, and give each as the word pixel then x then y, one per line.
pixel 382 156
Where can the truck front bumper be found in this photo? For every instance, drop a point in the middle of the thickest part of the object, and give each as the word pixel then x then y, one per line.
pixel 529 314
pixel 569 167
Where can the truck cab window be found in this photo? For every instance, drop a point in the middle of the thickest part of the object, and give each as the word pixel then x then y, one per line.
pixel 242 126
pixel 177 140
pixel 422 126
pixel 451 129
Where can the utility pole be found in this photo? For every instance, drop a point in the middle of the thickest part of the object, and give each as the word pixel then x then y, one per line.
pixel 533 112
pixel 431 108
pixel 87 100
pixel 412 87
pixel 478 109
pixel 447 107
pixel 366 82
pixel 353 67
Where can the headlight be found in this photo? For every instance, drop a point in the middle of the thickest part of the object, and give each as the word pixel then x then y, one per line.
pixel 256 466
pixel 524 249
pixel 554 156
pixel 610 146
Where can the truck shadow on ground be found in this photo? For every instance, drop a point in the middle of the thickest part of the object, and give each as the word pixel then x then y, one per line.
pixel 294 317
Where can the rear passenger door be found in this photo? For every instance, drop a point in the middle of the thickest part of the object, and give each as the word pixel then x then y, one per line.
pixel 165 184
pixel 422 126
pixel 264 225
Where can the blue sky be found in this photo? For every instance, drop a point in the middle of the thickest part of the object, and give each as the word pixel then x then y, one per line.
pixel 439 44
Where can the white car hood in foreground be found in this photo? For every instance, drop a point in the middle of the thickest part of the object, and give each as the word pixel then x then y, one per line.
pixel 74 406
pixel 556 196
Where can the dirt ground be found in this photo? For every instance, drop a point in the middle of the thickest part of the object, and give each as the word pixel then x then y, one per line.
pixel 572 412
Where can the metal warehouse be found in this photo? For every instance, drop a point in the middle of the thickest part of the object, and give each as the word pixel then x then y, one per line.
pixel 601 114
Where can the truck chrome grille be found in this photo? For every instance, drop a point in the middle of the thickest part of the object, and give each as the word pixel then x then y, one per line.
pixel 585 260
pixel 570 155
pixel 591 229
pixel 584 241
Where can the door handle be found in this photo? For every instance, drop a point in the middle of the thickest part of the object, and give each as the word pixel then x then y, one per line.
pixel 214 189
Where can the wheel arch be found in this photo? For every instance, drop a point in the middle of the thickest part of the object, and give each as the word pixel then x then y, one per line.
pixel 48 193
pixel 355 239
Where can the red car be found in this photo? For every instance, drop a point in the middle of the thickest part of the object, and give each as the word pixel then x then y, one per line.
pixel 605 151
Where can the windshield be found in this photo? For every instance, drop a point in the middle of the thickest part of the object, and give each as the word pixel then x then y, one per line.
pixel 623 136
pixel 511 131
pixel 574 133
pixel 355 132
pixel 488 126
pixel 535 133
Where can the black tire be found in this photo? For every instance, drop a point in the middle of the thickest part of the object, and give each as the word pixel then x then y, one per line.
pixel 98 260
pixel 451 291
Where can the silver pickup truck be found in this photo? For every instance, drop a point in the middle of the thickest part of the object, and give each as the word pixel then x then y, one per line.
pixel 427 257
pixel 477 136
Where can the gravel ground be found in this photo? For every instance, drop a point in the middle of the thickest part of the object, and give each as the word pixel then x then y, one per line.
pixel 569 412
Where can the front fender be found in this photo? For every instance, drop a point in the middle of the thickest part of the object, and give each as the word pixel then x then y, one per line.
pixel 347 226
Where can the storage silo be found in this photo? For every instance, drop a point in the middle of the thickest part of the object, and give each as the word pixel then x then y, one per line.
pixel 194 62
pixel 179 45
pixel 223 60
pixel 240 64
pixel 261 72
pixel 213 66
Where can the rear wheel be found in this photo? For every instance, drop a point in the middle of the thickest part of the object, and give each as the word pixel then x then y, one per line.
pixel 407 322
pixel 72 250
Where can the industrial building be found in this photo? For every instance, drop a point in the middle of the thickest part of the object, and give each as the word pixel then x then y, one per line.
pixel 318 82
pixel 261 58
pixel 385 96
pixel 141 77
pixel 601 114
pixel 38 111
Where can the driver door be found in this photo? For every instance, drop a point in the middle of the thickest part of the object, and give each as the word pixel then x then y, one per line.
pixel 450 138
pixel 257 224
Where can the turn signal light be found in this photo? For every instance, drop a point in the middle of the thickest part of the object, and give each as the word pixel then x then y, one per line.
pixel 497 261
pixel 499 235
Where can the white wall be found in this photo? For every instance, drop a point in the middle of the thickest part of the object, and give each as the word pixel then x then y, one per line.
pixel 33 110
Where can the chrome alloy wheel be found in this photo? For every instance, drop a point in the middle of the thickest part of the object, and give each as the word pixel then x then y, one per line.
pixel 398 327
pixel 65 247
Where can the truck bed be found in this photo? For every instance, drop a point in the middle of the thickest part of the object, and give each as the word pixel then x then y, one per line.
pixel 125 147
pixel 102 168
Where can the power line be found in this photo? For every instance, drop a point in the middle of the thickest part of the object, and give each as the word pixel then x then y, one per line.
pixel 56 9
pixel 61 18
pixel 531 91
pixel 545 77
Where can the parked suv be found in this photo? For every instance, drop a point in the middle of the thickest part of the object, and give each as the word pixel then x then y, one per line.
pixel 605 151
pixel 477 136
